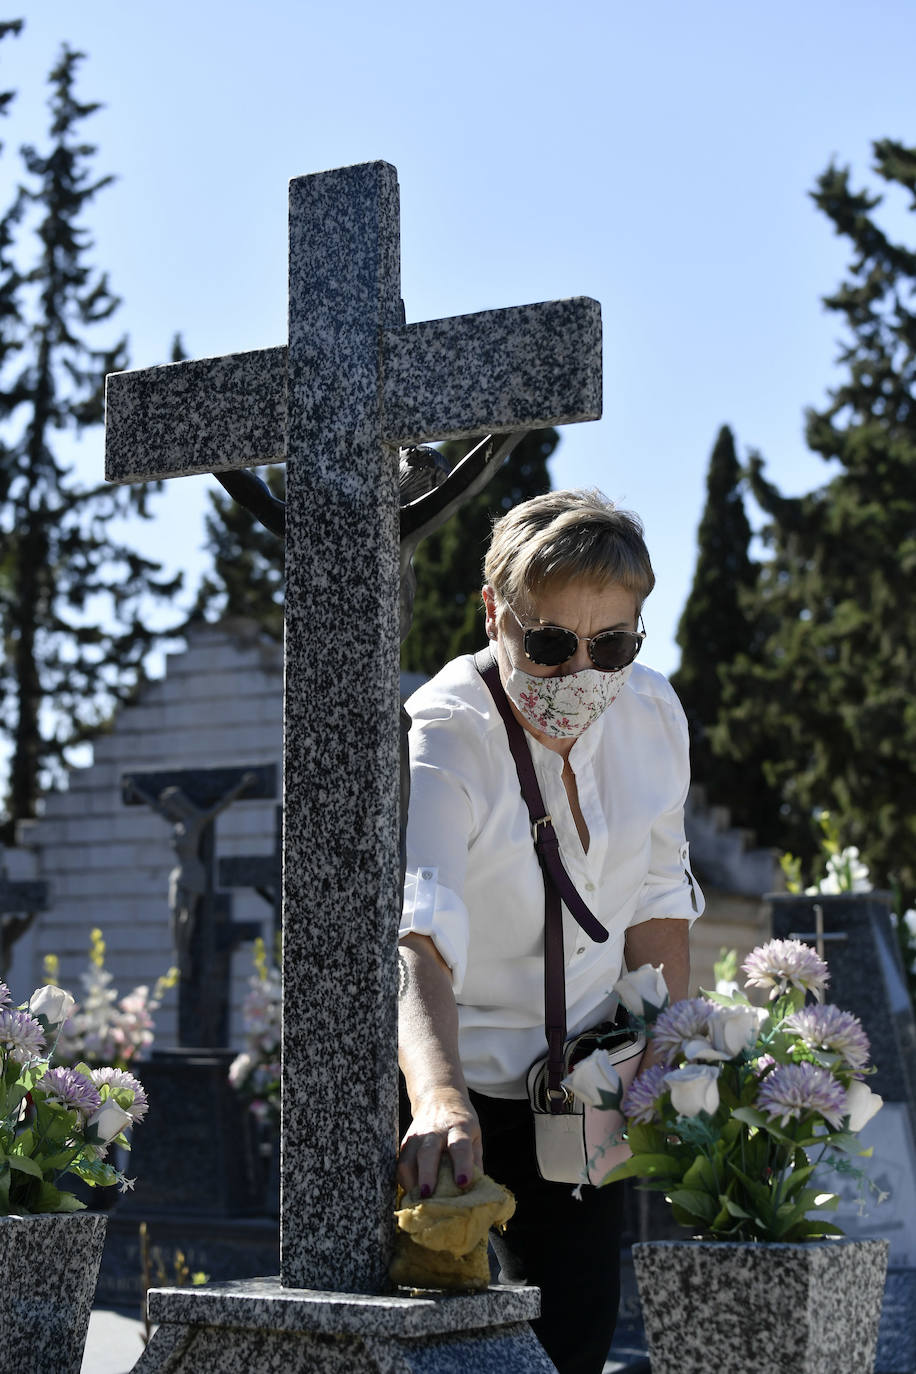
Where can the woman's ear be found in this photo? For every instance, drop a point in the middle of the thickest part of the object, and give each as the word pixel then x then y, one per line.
pixel 489 601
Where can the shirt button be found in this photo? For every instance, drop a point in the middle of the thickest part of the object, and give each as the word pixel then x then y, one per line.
pixel 589 887
pixel 580 950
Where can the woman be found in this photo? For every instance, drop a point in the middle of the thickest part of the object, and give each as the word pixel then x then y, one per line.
pixel 566 577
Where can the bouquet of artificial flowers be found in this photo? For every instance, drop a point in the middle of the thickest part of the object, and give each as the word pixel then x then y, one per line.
pixel 743 1105
pixel 56 1121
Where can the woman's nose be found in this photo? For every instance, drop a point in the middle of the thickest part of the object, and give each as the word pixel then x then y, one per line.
pixel 579 660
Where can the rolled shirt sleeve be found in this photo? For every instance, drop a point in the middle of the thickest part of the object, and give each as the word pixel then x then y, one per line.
pixel 435 910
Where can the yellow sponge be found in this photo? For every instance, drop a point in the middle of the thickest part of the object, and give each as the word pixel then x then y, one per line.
pixel 442 1240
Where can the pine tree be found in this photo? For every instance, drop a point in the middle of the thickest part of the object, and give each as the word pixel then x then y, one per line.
pixel 830 697
pixel 447 612
pixel 71 598
pixel 714 629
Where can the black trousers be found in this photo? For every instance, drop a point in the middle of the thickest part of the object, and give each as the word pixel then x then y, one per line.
pixel 569 1249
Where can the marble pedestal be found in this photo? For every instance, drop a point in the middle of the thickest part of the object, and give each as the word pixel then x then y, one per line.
pixel 233 1328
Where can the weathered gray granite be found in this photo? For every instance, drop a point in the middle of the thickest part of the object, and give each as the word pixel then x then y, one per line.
pixel 761 1309
pixel 49 1266
pixel 266 1302
pixel 494 372
pixel 533 366
pixel 355 381
pixel 340 739
pixel 201 416
pixel 208 1350
pixel 265 1326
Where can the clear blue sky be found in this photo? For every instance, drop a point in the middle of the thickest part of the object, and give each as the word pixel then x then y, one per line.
pixel 654 156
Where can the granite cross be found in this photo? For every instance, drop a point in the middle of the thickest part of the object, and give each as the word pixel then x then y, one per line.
pixel 353 385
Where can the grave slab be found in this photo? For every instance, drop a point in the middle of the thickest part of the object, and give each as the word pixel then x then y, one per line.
pixel 263 1325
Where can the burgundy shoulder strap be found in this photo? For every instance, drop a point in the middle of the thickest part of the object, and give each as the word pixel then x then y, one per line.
pixel 557 885
pixel 543 833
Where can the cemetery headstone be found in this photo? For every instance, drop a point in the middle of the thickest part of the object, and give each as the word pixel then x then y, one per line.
pixel 853 932
pixel 354 385
pixel 200 1181
pixel 20 902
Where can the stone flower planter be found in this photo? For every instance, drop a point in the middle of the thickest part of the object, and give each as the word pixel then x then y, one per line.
pixel 48 1270
pixel 760 1308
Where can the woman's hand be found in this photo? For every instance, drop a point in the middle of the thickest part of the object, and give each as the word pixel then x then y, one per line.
pixel 445 1120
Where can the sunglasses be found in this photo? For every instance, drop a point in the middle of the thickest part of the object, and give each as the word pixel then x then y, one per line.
pixel 551 645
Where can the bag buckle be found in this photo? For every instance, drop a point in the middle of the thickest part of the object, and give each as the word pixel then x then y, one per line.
pixel 561 1096
pixel 544 820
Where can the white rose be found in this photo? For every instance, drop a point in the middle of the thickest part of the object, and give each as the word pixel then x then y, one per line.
pixel 693 1089
pixel 704 1050
pixel 109 1120
pixel 861 1104
pixel 593 1076
pixel 733 1029
pixel 51 1002
pixel 644 992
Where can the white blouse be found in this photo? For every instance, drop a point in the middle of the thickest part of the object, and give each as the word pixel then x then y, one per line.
pixel 474 884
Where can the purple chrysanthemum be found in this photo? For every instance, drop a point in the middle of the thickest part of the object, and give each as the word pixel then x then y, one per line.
pixel 640 1101
pixel 826 1027
pixel 779 964
pixel 72 1089
pixel 119 1078
pixel 20 1035
pixel 5 998
pixel 686 1020
pixel 794 1090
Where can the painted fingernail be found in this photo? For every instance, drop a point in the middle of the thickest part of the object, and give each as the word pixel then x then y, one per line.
pixel 461 1180
pixel 425 1190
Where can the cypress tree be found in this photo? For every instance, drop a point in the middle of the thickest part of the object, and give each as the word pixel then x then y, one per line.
pixel 71 597
pixel 831 696
pixel 714 627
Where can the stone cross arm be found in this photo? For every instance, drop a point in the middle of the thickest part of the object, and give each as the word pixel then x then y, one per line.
pixel 495 372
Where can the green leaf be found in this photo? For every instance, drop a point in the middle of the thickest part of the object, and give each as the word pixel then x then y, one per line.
pixel 645 1139
pixel 736 1211
pixel 750 1116
pixel 24 1165
pixel 702 1175
pixel 643 1166
pixel 51 1199
pixel 701 1205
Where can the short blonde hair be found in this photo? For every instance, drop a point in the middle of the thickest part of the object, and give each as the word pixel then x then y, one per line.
pixel 564 536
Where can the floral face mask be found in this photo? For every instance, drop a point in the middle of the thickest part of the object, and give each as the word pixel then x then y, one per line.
pixel 562 707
